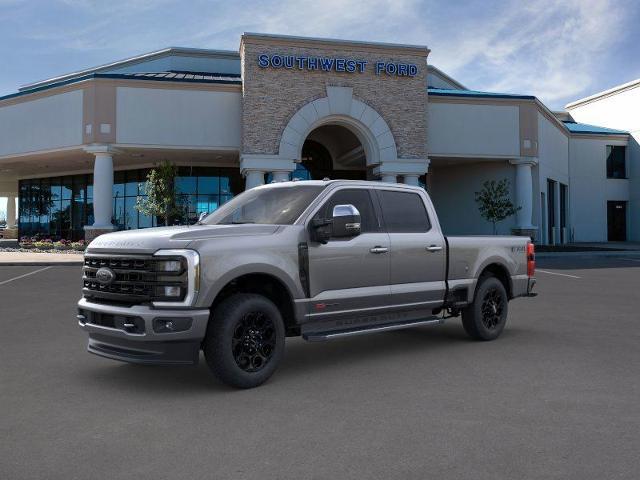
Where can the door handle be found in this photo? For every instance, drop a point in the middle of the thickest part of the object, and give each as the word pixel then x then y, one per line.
pixel 379 250
pixel 433 248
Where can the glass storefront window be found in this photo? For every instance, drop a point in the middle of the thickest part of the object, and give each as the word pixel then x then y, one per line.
pixel 60 207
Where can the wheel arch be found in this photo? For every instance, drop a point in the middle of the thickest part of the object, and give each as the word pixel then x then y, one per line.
pixel 262 283
pixel 501 272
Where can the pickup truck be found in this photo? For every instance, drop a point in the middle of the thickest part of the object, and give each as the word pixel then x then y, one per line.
pixel 317 259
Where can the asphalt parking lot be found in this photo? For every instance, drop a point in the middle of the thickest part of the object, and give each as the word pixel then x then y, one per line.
pixel 557 396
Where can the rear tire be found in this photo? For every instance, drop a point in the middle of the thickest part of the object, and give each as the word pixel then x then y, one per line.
pixel 245 340
pixel 485 318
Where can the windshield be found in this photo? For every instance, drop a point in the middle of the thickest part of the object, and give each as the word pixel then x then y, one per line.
pixel 273 206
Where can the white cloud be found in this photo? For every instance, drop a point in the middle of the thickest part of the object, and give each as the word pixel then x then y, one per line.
pixel 547 48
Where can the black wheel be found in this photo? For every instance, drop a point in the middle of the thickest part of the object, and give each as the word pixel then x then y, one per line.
pixel 245 340
pixel 486 317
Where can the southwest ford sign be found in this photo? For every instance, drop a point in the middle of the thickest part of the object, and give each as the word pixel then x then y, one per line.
pixel 333 64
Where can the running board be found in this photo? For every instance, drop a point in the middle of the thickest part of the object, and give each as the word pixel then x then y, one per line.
pixel 321 336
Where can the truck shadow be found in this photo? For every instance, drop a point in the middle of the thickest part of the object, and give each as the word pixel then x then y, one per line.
pixel 302 359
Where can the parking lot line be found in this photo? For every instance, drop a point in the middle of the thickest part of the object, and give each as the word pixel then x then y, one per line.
pixel 556 273
pixel 25 275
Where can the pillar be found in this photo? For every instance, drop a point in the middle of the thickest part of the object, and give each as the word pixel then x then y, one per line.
pixel 11 211
pixel 102 191
pixel 389 178
pixel 253 178
pixel 280 176
pixel 253 167
pixel 524 196
pixel 413 180
pixel 409 169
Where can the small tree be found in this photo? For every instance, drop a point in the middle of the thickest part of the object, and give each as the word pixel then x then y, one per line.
pixel 494 202
pixel 161 199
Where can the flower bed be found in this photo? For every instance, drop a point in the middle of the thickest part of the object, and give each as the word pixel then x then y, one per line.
pixel 47 244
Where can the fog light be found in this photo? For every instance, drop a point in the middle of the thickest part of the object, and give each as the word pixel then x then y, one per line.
pixel 171 291
pixel 170 266
pixel 168 325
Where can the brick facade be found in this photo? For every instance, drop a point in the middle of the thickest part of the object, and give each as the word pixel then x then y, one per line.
pixel 271 96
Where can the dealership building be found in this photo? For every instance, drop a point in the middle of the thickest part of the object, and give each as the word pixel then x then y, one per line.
pixel 76 149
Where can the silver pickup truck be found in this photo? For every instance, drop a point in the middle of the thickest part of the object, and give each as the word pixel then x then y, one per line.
pixel 317 259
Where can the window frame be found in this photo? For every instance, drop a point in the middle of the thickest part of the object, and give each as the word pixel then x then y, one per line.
pixel 409 192
pixel 608 149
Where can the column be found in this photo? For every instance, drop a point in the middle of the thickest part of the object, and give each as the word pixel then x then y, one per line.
pixel 412 179
pixel 102 191
pixel 524 195
pixel 253 167
pixel 11 212
pixel 280 176
pixel 253 178
pixel 409 169
pixel 389 178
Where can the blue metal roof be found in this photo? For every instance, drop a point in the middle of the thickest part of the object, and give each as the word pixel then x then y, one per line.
pixel 188 77
pixel 575 127
pixel 444 92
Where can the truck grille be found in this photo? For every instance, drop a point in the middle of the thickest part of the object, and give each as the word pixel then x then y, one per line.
pixel 132 280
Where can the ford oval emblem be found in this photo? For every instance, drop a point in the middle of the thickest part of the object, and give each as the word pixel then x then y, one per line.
pixel 105 276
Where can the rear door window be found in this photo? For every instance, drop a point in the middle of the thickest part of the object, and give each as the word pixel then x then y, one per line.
pixel 404 212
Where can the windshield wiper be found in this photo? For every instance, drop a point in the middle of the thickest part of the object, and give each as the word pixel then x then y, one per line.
pixel 236 222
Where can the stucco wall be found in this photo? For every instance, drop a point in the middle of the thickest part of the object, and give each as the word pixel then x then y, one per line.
pixel 590 189
pixel 620 111
pixel 553 163
pixel 191 118
pixel 470 129
pixel 45 123
pixel 452 189
pixel 271 96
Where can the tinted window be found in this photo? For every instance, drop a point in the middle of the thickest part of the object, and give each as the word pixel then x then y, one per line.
pixel 404 212
pixel 360 199
pixel 616 162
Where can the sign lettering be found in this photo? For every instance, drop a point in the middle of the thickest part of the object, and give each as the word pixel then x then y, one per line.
pixel 331 64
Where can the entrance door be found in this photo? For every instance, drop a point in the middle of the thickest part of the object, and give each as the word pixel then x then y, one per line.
pixel 551 211
pixel 617 221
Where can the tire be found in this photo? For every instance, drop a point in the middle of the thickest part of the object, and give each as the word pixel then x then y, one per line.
pixel 486 317
pixel 245 340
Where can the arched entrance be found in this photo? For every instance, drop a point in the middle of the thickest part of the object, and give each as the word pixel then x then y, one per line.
pixel 332 151
pixel 337 136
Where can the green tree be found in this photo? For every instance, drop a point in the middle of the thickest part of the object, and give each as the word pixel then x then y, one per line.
pixel 162 199
pixel 494 202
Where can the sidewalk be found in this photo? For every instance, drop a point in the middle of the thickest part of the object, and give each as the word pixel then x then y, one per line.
pixel 37 259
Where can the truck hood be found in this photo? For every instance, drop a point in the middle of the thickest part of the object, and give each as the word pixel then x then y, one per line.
pixel 149 240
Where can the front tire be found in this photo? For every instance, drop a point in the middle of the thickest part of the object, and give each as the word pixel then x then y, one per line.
pixel 245 340
pixel 486 317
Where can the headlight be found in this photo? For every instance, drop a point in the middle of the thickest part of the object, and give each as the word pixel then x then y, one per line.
pixel 178 278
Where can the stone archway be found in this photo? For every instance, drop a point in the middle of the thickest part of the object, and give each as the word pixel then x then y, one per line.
pixel 340 108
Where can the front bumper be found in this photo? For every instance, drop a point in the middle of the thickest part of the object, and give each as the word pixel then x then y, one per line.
pixel 127 333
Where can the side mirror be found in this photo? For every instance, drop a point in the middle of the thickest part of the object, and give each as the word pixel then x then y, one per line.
pixel 346 221
pixel 202 215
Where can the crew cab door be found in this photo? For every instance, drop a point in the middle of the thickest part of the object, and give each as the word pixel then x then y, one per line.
pixel 417 253
pixel 349 275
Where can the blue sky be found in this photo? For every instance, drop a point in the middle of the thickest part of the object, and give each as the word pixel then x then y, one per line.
pixel 557 50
